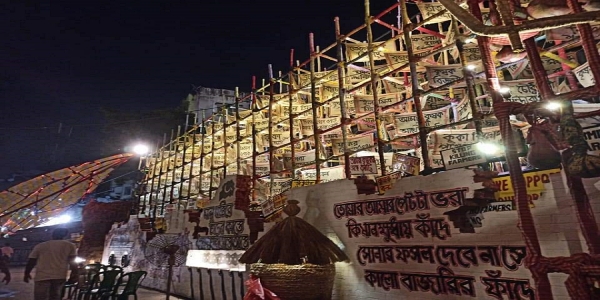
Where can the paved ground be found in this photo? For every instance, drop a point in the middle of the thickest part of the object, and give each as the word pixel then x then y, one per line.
pixel 17 289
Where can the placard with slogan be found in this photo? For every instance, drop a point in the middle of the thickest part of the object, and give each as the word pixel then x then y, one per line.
pixel 224 219
pixel 407 164
pixel 462 156
pixel 363 165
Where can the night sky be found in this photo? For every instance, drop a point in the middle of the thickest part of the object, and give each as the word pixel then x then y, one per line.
pixel 60 61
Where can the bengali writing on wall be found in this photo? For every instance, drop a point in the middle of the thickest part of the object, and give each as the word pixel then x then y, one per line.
pixel 385 246
pixel 224 232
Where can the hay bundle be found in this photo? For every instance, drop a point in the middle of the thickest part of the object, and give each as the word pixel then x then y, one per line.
pixel 292 254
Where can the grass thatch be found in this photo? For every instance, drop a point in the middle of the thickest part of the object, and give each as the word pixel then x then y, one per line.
pixel 293 241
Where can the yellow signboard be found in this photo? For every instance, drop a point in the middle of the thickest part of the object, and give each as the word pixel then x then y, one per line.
pixel 534 182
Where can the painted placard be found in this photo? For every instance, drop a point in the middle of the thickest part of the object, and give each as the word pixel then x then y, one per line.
pixel 386 182
pixel 355 143
pixel 363 165
pixel 326 174
pixel 407 164
pixel 226 225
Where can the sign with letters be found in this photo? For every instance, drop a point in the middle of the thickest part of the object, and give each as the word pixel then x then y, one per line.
pixel 462 156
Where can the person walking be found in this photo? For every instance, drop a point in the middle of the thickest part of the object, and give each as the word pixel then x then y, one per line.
pixel 52 260
pixel 7 252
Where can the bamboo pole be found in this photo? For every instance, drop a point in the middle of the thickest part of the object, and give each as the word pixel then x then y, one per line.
pixel 469 80
pixel 191 174
pixel 423 130
pixel 164 198
pixel 183 163
pixel 152 189
pixel 212 156
pixel 314 106
pixel 292 115
pixel 270 129
pixel 380 135
pixel 175 146
pixel 237 129
pixel 203 132
pixel 162 158
pixel 254 111
pixel 225 144
pixel 342 95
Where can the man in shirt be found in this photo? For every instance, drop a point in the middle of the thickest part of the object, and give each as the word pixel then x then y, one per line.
pixel 52 260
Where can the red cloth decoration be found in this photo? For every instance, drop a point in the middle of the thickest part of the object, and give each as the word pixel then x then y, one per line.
pixel 256 291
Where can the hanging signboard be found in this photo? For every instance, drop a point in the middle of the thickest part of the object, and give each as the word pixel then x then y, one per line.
pixel 354 143
pixel 302 183
pixel 385 183
pixel 592 137
pixel 363 165
pixel 407 164
pixel 327 174
pixel 462 156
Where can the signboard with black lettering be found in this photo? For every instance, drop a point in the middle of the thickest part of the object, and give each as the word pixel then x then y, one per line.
pixel 592 137
pixel 462 156
pixel 363 165
pixel 407 164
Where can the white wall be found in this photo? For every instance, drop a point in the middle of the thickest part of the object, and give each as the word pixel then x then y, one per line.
pixel 554 216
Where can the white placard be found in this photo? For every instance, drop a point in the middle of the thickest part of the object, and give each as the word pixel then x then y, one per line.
pixel 462 156
pixel 363 165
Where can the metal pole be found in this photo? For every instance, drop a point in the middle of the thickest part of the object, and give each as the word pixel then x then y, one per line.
pixel 313 98
pixel 380 134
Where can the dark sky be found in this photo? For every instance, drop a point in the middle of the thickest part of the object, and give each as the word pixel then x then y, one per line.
pixel 60 61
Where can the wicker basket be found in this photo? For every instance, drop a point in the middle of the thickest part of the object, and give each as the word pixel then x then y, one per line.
pixel 296 282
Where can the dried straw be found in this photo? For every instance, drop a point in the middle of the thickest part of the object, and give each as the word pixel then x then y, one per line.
pixel 293 241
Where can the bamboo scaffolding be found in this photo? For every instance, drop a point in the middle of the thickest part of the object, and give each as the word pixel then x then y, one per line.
pixel 150 193
pixel 469 80
pixel 168 160
pixel 525 218
pixel 423 130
